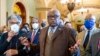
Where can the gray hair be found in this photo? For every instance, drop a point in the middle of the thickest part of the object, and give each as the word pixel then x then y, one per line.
pixel 17 17
pixel 35 19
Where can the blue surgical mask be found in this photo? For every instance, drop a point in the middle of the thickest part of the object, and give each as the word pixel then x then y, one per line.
pixel 89 24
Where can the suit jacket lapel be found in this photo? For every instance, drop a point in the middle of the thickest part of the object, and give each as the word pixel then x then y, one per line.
pixel 45 33
pixel 43 38
pixel 56 33
pixel 84 35
pixel 36 35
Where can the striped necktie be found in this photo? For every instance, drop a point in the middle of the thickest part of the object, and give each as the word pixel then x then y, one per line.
pixel 32 37
pixel 51 32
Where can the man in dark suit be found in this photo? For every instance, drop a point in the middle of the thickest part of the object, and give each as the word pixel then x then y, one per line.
pixel 73 31
pixel 74 34
pixel 84 37
pixel 34 35
pixel 94 45
pixel 55 40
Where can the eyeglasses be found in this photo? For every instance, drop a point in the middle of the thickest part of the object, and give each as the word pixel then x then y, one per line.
pixel 54 16
pixel 14 22
pixel 34 22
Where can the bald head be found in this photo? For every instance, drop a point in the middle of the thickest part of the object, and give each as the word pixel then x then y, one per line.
pixel 54 12
pixel 90 21
pixel 90 17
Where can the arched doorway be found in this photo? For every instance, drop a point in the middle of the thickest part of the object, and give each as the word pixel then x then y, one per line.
pixel 20 10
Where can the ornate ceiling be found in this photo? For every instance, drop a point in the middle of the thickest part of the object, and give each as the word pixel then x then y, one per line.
pixel 52 3
pixel 44 4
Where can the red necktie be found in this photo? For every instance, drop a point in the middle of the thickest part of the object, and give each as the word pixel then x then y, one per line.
pixel 32 37
pixel 99 44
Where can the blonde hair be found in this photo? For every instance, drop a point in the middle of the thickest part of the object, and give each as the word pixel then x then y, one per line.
pixel 4 27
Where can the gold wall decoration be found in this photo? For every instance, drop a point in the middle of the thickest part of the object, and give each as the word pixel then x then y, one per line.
pixel 16 9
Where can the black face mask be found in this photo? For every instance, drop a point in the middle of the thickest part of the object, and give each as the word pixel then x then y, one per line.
pixel 43 24
pixel 26 28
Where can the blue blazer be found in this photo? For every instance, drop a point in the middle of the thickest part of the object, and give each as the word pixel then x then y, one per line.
pixel 36 38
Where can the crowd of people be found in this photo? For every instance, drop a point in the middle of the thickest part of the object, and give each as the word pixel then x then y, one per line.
pixel 55 39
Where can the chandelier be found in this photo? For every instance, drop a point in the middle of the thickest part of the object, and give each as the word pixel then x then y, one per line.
pixel 70 4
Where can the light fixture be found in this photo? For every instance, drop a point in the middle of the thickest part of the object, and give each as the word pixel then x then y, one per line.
pixel 69 1
pixel 82 9
pixel 64 1
pixel 70 5
pixel 78 1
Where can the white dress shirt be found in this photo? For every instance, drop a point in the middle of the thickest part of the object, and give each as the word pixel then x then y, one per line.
pixel 91 33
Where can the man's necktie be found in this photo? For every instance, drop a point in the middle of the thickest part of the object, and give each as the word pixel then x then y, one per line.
pixel 32 37
pixel 51 33
pixel 86 40
pixel 99 44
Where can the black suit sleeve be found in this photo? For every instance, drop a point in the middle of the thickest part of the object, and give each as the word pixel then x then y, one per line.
pixel 73 34
pixel 3 43
pixel 21 52
pixel 25 52
pixel 71 38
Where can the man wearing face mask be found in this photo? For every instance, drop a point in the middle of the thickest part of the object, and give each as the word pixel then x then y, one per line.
pixel 85 36
pixel 25 28
pixel 10 42
pixel 34 35
pixel 43 24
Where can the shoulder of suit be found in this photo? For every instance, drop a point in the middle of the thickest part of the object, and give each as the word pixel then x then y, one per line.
pixel 4 35
pixel 96 30
pixel 95 36
pixel 97 33
pixel 43 29
pixel 66 29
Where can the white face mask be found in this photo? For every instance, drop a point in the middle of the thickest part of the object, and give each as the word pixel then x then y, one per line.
pixel 15 28
pixel 35 26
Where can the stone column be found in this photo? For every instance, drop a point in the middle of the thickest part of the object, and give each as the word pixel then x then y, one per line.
pixel 2 12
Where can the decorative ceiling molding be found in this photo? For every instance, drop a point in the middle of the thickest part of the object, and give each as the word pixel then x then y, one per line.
pixel 87 6
pixel 40 3
pixel 45 5
pixel 43 9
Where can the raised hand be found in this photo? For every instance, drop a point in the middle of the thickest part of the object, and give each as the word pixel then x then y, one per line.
pixel 10 35
pixel 24 41
pixel 11 52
